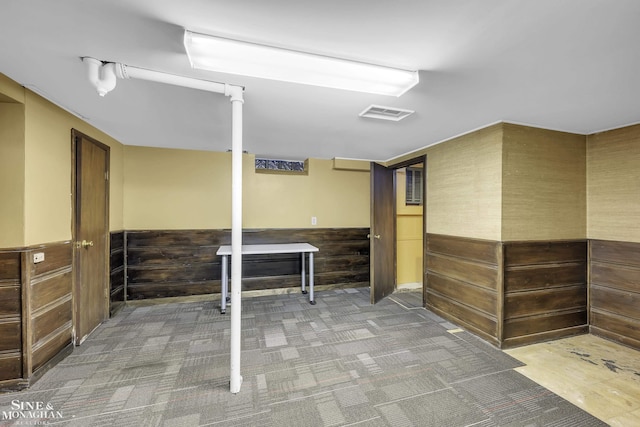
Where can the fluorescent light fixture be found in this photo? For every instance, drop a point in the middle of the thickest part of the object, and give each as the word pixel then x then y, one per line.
pixel 248 59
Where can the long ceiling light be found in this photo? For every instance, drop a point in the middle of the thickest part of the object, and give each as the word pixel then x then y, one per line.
pixel 248 59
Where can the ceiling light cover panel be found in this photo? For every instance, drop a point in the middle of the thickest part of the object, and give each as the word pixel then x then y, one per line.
pixel 248 59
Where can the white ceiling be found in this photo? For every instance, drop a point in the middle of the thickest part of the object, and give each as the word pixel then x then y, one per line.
pixel 571 65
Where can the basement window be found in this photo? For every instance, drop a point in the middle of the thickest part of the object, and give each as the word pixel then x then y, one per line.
pixel 414 186
pixel 300 167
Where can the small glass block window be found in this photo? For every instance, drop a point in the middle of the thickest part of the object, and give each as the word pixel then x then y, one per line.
pixel 414 186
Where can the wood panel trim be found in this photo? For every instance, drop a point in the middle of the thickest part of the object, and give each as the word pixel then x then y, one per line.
pixel 527 253
pixel 614 290
pixel 615 327
pixel 157 259
pixel 545 290
pixel 470 271
pixel 27 354
pixel 11 360
pixel 39 288
pixel 533 303
pixel 615 252
pixel 544 276
pixel 482 251
pixel 544 336
pixel 10 302
pixel 117 271
pixel 478 297
pixel 623 304
pixel 10 331
pixel 475 265
pixel 10 367
pixel 465 324
pixel 45 320
pixel 48 347
pixel 616 276
pixel 10 267
pixel 500 295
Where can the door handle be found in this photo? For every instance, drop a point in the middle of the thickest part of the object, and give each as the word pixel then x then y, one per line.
pixel 84 244
pixel 376 236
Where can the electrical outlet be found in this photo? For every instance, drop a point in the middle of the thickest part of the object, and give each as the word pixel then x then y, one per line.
pixel 314 220
pixel 38 257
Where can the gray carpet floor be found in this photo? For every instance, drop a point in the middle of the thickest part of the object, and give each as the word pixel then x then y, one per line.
pixel 341 362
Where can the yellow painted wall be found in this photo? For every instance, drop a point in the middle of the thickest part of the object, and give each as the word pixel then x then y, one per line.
pixel 543 184
pixel 48 201
pixel 182 189
pixel 35 165
pixel 408 235
pixel 10 91
pixel 613 185
pixel 337 198
pixel 11 175
pixel 176 189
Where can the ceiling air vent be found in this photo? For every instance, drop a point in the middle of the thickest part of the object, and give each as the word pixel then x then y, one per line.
pixel 385 113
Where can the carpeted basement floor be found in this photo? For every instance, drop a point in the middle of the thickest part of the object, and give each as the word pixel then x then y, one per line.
pixel 341 362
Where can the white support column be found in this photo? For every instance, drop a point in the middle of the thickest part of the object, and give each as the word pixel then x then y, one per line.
pixel 236 237
pixel 103 77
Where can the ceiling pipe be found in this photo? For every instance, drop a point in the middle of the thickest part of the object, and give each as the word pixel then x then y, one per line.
pixel 103 77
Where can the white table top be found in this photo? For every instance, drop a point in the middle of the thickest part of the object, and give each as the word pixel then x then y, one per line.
pixel 276 248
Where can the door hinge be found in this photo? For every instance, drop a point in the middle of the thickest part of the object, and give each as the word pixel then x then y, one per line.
pixel 106 176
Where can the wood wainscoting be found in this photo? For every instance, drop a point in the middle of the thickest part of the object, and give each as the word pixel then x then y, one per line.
pixel 545 291
pixel 36 311
pixel 509 293
pixel 10 317
pixel 463 280
pixel 614 285
pixel 170 263
pixel 47 304
pixel 116 271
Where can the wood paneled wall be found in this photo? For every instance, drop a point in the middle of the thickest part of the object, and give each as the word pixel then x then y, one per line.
pixel 169 263
pixel 509 293
pixel 117 272
pixel 614 284
pixel 10 316
pixel 463 283
pixel 36 311
pixel 166 263
pixel 47 288
pixel 545 291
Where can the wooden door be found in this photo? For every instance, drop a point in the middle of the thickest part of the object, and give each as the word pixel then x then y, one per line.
pixel 91 228
pixel 383 232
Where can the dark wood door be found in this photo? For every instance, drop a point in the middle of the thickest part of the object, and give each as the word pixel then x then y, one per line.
pixel 91 226
pixel 383 232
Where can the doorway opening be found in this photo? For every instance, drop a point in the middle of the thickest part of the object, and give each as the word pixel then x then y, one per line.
pixel 394 262
pixel 410 226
